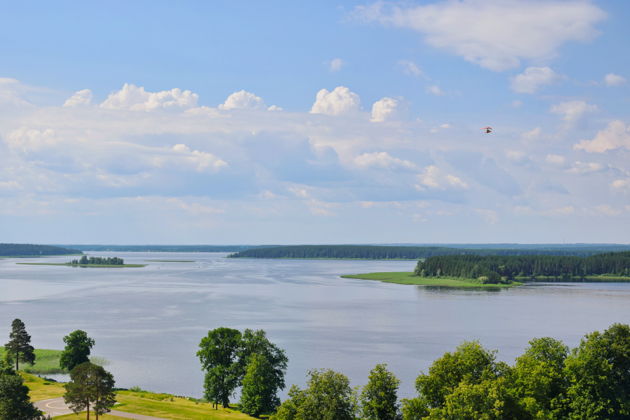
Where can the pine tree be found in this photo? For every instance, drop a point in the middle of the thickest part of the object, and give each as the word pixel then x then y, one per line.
pixel 19 346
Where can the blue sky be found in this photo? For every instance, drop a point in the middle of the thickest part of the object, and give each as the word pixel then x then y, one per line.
pixel 328 122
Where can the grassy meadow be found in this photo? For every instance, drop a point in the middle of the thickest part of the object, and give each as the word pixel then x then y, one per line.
pixel 410 278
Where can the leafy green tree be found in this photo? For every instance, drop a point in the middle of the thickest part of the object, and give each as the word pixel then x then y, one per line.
pixel 77 350
pixel 379 397
pixel 218 354
pixel 328 397
pixel 19 345
pixel 90 386
pixel 256 342
pixel 259 393
pixel 599 374
pixel 15 403
pixel 539 380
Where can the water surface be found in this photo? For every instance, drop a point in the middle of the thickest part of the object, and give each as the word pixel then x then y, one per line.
pixel 148 321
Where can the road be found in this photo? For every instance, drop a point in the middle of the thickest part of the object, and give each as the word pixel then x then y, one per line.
pixel 57 407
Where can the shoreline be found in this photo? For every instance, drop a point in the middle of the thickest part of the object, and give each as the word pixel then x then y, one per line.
pixel 408 278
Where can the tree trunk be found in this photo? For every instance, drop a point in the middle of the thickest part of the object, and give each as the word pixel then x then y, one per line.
pixel 17 361
pixel 88 410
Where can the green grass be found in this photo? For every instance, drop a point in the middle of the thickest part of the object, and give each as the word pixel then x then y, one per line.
pixel 88 265
pixel 172 407
pixel 83 416
pixel 410 278
pixel 42 389
pixel 46 362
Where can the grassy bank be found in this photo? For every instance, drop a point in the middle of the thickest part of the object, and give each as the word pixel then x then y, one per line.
pixel 88 265
pixel 46 362
pixel 139 402
pixel 410 278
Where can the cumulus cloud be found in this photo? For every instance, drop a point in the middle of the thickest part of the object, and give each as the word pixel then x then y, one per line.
pixel 386 109
pixel 621 185
pixel 555 159
pixel 615 136
pixel 581 168
pixel 135 98
pixel 335 64
pixel 200 161
pixel 26 139
pixel 435 178
pixel 612 79
pixel 340 101
pixel 10 92
pixel 382 160
pixel 572 111
pixel 533 78
pixel 410 68
pixel 490 33
pixel 79 98
pixel 435 90
pixel 243 100
pixel 532 134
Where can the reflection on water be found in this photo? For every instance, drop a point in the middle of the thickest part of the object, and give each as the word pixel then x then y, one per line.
pixel 148 321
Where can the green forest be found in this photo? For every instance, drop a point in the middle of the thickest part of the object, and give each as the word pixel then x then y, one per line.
pixel 85 260
pixel 31 250
pixel 384 252
pixel 525 266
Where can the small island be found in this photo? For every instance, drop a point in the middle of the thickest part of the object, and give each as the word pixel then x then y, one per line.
pixel 86 261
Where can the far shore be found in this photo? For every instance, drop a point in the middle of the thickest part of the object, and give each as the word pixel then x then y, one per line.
pixel 89 265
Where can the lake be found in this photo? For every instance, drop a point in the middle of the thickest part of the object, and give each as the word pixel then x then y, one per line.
pixel 147 322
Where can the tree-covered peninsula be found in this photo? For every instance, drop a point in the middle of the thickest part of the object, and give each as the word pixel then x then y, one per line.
pixel 31 250
pixel 498 268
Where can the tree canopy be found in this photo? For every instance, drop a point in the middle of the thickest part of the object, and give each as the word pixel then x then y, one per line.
pixel 15 403
pixel 77 350
pixel 90 386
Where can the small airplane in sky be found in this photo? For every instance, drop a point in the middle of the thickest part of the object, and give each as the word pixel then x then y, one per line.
pixel 488 129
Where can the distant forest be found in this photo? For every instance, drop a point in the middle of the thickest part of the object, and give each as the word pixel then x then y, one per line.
pixel 510 267
pixel 30 250
pixel 162 248
pixel 384 252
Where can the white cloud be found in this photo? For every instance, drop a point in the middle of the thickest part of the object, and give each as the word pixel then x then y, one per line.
pixel 615 136
pixel 435 178
pixel 621 184
pixel 612 79
pixel 386 109
pixel 572 111
pixel 607 210
pixel 532 134
pixel 80 98
pixel 533 78
pixel 435 90
pixel 27 140
pixel 338 102
pixel 555 159
pixel 274 108
pixel 382 160
pixel 243 100
pixel 581 168
pixel 335 65
pixel 10 92
pixel 495 34
pixel 135 98
pixel 410 68
pixel 200 161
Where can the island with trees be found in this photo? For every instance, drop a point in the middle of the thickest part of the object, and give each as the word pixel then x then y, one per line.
pixel 86 261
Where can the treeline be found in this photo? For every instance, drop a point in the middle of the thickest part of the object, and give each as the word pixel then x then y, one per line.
pixel 85 260
pixel 384 252
pixel 547 382
pixel 511 267
pixel 162 248
pixel 31 250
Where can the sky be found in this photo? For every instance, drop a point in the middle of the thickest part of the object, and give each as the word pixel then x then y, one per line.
pixel 283 122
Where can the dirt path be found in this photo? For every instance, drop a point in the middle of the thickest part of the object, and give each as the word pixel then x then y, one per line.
pixel 57 407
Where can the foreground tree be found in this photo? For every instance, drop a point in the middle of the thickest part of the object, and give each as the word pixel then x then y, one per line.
pixel 77 350
pixel 90 386
pixel 379 397
pixel 327 397
pixel 19 346
pixel 259 393
pixel 218 354
pixel 599 374
pixel 539 381
pixel 15 403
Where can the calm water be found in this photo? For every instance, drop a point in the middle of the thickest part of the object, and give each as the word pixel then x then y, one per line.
pixel 148 321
